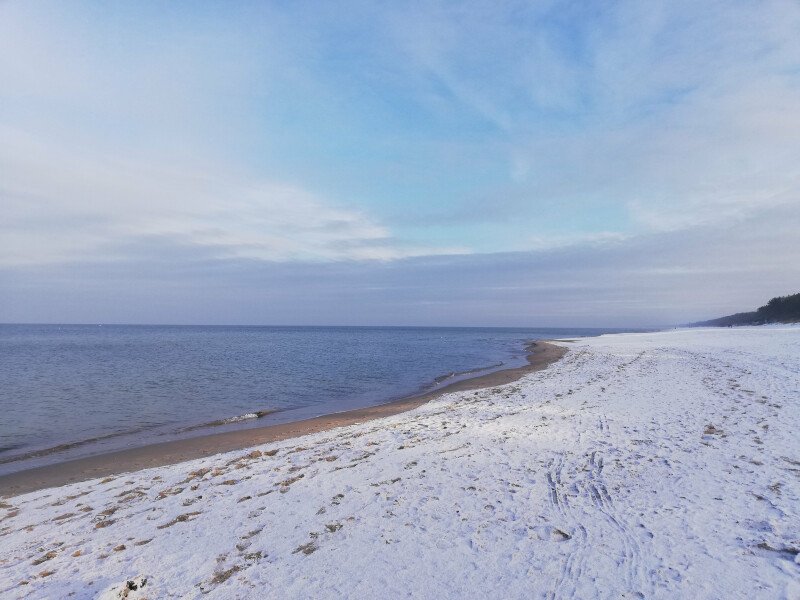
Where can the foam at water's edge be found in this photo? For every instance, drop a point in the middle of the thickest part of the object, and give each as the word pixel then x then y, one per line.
pixel 245 417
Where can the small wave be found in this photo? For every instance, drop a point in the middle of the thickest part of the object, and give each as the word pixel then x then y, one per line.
pixel 245 417
pixel 442 378
pixel 101 438
pixel 10 447
pixel 254 415
pixel 64 447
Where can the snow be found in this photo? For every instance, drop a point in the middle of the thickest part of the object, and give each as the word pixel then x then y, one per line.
pixel 655 465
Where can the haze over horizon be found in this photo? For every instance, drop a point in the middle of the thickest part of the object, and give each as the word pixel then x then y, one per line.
pixel 540 164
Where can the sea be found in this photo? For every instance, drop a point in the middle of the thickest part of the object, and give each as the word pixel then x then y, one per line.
pixel 69 391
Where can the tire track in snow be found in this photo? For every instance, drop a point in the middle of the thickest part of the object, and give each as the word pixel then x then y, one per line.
pixel 604 503
pixel 573 565
pixel 578 493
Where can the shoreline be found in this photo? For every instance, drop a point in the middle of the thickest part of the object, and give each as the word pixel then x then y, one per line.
pixel 541 354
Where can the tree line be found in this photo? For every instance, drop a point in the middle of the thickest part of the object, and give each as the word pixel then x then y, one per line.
pixel 781 309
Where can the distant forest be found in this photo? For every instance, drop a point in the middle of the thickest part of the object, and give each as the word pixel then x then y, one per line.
pixel 783 309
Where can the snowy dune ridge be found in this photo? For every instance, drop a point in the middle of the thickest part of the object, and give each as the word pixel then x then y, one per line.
pixel 658 465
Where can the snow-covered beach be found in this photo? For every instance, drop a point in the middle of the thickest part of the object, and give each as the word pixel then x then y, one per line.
pixel 654 465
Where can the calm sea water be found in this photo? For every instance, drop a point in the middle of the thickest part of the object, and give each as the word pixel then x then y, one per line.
pixel 83 389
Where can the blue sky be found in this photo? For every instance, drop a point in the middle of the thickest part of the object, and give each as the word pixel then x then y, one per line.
pixel 486 163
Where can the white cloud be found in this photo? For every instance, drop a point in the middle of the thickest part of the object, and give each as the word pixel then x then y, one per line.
pixel 680 113
pixel 105 142
pixel 61 206
pixel 555 242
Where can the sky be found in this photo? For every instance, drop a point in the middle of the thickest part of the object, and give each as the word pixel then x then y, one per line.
pixel 537 163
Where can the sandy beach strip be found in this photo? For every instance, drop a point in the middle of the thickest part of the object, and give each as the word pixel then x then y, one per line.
pixel 540 355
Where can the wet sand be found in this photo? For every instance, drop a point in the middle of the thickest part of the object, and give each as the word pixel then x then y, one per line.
pixel 541 354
